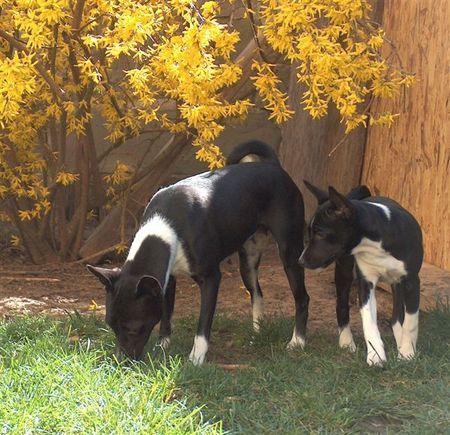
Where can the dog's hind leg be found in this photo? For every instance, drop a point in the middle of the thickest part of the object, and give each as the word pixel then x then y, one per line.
pixel 165 327
pixel 398 311
pixel 290 250
pixel 209 286
pixel 249 259
pixel 410 329
pixel 343 277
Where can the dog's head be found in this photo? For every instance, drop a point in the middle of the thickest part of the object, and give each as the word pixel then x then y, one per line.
pixel 133 307
pixel 332 231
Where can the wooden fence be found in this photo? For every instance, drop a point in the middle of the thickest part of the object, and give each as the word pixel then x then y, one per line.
pixel 410 161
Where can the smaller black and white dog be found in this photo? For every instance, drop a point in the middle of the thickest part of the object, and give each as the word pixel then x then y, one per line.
pixel 375 239
pixel 189 228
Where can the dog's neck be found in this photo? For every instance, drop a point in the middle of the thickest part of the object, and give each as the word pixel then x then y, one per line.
pixel 152 257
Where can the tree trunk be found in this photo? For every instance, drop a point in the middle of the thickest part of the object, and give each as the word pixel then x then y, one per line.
pixel 306 143
pixel 38 249
pixel 410 161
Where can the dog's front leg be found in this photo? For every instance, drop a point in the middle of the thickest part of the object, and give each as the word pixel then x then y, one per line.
pixel 296 278
pixel 343 278
pixel 209 287
pixel 368 307
pixel 165 328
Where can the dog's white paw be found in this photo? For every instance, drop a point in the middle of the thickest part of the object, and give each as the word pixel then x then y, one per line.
pixel 165 342
pixel 376 358
pixel 346 339
pixel 197 360
pixel 198 352
pixel 406 351
pixel 258 312
pixel 297 341
pixel 256 325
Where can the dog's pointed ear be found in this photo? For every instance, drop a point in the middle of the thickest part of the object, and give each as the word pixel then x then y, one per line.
pixel 106 276
pixel 343 206
pixel 320 194
pixel 359 192
pixel 149 286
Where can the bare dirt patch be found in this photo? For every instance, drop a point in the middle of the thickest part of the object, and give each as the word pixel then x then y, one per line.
pixel 61 288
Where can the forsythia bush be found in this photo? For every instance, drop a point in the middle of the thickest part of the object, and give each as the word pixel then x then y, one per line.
pixel 149 64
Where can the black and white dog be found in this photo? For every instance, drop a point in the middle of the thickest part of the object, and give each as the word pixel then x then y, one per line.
pixel 190 227
pixel 378 240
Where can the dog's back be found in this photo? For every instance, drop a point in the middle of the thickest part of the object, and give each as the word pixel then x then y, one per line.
pixel 190 227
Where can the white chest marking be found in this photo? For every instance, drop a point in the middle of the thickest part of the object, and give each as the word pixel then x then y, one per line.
pixel 377 264
pixel 386 210
pixel 158 226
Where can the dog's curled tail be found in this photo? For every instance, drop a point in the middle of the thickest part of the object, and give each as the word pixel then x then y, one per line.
pixel 252 151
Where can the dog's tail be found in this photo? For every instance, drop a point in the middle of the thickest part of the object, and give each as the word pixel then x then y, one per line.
pixel 252 151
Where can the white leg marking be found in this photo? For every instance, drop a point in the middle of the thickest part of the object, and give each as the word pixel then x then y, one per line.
pixel 410 331
pixel 375 348
pixel 346 339
pixel 258 311
pixel 296 341
pixel 198 352
pixel 165 342
pixel 398 332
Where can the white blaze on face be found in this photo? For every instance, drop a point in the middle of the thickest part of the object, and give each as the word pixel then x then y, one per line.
pixel 198 352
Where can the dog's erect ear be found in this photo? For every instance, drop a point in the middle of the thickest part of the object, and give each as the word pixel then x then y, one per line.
pixel 320 194
pixel 359 192
pixel 344 208
pixel 149 286
pixel 106 276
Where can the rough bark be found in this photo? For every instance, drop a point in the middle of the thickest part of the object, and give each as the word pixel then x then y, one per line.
pixel 306 143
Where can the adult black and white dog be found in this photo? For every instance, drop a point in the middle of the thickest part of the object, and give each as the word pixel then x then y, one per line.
pixel 190 227
pixel 378 240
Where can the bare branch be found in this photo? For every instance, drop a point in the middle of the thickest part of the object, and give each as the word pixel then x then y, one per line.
pixel 78 15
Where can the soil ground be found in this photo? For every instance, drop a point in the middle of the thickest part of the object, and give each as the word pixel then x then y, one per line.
pixel 62 288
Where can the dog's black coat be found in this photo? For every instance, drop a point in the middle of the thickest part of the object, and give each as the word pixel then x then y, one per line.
pixel 381 241
pixel 192 226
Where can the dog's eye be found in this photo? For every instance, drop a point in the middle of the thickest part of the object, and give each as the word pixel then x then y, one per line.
pixel 329 211
pixel 319 234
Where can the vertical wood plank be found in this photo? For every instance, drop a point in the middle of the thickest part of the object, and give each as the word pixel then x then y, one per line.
pixel 410 162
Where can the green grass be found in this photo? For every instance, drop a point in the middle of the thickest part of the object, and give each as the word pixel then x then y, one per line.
pixel 59 376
